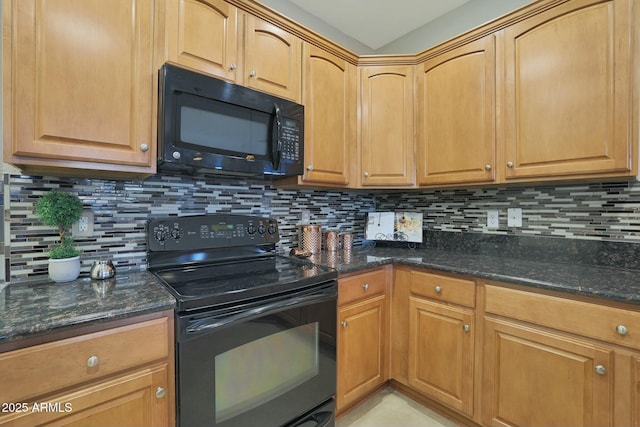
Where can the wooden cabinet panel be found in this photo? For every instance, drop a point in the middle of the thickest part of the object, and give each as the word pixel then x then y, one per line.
pixel 444 288
pixel 456 140
pixel 537 378
pixel 362 350
pixel 361 286
pixel 330 117
pixel 83 358
pixel 203 35
pixel 610 324
pixel 386 123
pixel 273 60
pixel 81 95
pixel 568 91
pixel 441 352
pixel 129 400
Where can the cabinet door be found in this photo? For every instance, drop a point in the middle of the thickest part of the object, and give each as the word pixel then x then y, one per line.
pixel 441 349
pixel 387 146
pixel 362 355
pixel 568 91
pixel 140 398
pixel 330 117
pixel 456 118
pixel 537 378
pixel 273 60
pixel 81 85
pixel 203 34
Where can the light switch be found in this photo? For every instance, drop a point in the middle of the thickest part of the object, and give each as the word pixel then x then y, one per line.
pixel 514 217
pixel 493 219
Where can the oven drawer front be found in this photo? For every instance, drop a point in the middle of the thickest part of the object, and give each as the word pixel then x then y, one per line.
pixel 272 368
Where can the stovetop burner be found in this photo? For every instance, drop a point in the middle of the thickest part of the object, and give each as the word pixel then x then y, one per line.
pixel 217 260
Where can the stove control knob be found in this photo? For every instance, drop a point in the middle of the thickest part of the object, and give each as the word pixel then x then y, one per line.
pixel 251 229
pixel 161 236
pixel 272 228
pixel 262 228
pixel 175 233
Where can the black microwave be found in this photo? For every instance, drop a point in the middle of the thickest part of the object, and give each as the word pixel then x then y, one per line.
pixel 210 125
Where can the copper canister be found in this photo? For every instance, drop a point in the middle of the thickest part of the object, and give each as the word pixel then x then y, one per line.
pixel 347 242
pixel 310 237
pixel 331 241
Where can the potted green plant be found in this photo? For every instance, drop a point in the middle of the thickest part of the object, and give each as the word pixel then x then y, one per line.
pixel 59 209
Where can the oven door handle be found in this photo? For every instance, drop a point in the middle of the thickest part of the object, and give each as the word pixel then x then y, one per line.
pixel 264 310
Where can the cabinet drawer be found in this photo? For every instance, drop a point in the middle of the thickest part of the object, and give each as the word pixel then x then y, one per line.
pixel 444 288
pixel 361 286
pixel 614 325
pixel 44 368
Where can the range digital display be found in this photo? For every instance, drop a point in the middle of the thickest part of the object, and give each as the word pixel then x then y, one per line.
pixel 221 227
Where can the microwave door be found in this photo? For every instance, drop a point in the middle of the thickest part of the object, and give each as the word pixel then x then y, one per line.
pixel 276 140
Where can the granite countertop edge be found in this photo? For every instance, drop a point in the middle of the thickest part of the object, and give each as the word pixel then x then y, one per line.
pixel 611 284
pixel 29 310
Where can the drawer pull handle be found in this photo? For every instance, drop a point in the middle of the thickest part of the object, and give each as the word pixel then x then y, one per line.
pixel 365 286
pixel 160 392
pixel 601 370
pixel 93 361
pixel 344 323
pixel 438 289
pixel 622 330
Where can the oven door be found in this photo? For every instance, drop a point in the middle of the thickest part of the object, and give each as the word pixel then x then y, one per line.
pixel 269 364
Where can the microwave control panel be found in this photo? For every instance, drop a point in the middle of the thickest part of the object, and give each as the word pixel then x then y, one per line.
pixel 290 138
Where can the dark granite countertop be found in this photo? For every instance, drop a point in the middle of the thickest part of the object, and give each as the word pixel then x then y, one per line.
pixel 609 283
pixel 31 309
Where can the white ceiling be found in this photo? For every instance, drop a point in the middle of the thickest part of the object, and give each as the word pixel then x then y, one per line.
pixel 376 23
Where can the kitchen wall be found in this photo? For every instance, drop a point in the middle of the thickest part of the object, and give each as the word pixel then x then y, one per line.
pixel 121 209
pixel 594 211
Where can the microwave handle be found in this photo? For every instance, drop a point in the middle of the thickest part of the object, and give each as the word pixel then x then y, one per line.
pixel 276 142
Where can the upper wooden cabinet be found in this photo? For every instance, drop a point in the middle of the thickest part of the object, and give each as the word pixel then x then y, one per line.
pixel 330 117
pixel 273 59
pixel 386 126
pixel 204 35
pixel 567 88
pixel 456 140
pixel 80 85
pixel 214 37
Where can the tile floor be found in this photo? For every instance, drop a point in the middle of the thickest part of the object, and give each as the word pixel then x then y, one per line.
pixel 388 408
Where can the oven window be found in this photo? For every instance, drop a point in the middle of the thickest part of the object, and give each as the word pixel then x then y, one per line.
pixel 224 127
pixel 254 373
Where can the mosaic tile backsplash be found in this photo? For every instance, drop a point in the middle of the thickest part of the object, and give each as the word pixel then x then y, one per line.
pixel 599 211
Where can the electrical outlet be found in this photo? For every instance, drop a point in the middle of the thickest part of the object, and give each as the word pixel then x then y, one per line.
pixel 84 226
pixel 493 219
pixel 514 217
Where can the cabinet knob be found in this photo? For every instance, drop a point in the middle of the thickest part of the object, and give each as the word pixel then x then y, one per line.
pixel 438 289
pixel 309 168
pixel 252 73
pixel 466 328
pixel 93 361
pixel 487 167
pixel 233 66
pixel 344 323
pixel 366 174
pixel 600 370
pixel 622 330
pixel 161 392
pixel 365 286
pixel 144 148
pixel 509 164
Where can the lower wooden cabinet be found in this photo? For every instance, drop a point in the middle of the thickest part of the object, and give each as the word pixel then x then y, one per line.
pixel 441 353
pixel 363 327
pixel 537 378
pixel 119 376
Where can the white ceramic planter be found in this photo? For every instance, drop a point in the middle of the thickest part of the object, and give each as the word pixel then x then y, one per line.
pixel 64 270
